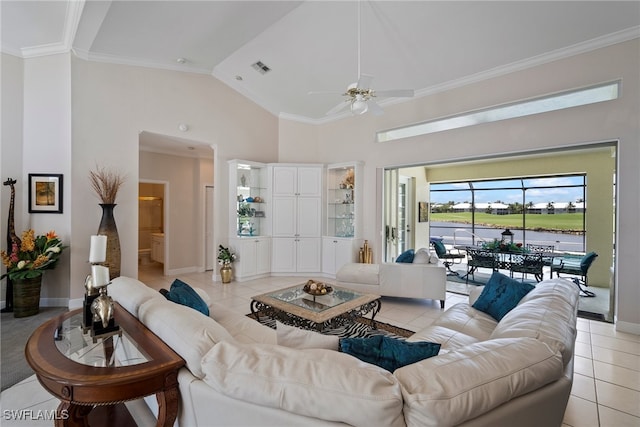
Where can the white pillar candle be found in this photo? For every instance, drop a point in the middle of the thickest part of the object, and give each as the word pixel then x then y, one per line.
pixel 98 249
pixel 100 275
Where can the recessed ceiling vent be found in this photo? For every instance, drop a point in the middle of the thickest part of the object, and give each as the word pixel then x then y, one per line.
pixel 261 67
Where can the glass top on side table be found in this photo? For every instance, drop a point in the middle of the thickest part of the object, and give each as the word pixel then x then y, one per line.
pixel 111 351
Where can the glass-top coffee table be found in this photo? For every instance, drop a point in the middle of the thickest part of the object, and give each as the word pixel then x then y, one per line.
pixel 295 307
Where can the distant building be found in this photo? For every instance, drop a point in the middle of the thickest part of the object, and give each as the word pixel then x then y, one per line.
pixel 496 208
pixel 557 208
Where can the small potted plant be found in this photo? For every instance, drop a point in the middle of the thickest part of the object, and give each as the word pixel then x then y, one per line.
pixel 225 259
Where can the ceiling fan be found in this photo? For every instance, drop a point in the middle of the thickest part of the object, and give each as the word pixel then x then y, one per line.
pixel 360 98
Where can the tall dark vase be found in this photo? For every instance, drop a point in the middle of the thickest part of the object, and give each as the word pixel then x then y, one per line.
pixel 108 228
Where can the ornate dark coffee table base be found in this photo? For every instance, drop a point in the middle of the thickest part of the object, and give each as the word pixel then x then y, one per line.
pixel 294 307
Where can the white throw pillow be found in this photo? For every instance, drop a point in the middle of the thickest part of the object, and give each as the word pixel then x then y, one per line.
pixel 290 336
pixel 421 256
pixel 433 258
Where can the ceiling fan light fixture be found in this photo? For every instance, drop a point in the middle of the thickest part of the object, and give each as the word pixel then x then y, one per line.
pixel 359 106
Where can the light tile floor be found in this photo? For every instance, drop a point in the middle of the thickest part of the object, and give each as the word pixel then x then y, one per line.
pixel 606 390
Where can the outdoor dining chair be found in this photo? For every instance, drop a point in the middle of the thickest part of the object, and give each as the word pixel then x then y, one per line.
pixel 576 266
pixel 527 263
pixel 447 257
pixel 480 258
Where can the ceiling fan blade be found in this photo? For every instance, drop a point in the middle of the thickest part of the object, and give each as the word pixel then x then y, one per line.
pixel 364 82
pixel 374 108
pixel 337 108
pixel 325 93
pixel 399 93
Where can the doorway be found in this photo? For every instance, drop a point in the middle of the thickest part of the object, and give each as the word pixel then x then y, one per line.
pixel 186 167
pixel 209 244
pixel 152 197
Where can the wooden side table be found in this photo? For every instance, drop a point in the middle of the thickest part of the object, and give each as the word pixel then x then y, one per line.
pixel 86 375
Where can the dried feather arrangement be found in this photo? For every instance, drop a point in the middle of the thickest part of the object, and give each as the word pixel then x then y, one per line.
pixel 106 183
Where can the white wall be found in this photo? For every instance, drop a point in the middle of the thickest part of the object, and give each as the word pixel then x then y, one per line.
pixel 11 79
pixel 113 103
pixel 47 149
pixel 353 139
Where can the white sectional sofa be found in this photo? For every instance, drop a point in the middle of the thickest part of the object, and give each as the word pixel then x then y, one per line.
pixel 397 279
pixel 518 371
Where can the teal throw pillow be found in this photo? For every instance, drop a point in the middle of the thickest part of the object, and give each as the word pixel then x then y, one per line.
pixel 388 353
pixel 182 293
pixel 406 256
pixel 500 295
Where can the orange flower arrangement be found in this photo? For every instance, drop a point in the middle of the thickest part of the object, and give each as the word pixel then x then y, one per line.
pixel 34 255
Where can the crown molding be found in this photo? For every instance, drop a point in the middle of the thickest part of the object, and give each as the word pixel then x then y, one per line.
pixel 121 60
pixel 577 49
pixel 71 22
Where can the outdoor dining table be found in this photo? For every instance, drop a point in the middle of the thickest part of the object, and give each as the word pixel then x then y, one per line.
pixel 504 259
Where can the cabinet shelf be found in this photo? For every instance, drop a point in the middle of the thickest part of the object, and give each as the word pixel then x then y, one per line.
pixel 248 180
pixel 343 200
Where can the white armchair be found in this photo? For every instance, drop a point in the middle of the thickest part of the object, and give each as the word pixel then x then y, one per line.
pixel 395 280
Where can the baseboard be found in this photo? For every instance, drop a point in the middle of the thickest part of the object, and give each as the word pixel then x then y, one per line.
pixel 185 270
pixel 76 303
pixel 631 328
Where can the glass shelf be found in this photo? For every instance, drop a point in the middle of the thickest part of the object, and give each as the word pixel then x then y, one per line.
pixel 249 182
pixel 341 200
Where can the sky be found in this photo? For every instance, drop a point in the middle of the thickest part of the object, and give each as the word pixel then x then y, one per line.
pixel 492 191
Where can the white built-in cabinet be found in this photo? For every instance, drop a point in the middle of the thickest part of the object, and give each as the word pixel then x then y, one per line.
pixel 294 218
pixel 249 197
pixel 253 257
pixel 157 247
pixel 343 220
pixel 249 218
pixel 337 251
pixel 296 211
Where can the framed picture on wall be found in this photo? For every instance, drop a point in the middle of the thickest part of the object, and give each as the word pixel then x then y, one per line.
pixel 423 212
pixel 45 193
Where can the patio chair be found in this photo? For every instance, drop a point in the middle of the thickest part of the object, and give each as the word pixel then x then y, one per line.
pixel 527 263
pixel 448 258
pixel 576 266
pixel 480 258
pixel 545 250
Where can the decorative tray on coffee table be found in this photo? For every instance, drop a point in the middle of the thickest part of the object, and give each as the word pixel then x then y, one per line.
pixel 317 289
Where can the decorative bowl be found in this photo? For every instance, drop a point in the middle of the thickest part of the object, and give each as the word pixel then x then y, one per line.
pixel 317 288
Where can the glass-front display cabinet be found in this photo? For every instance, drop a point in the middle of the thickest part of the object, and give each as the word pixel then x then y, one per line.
pixel 248 192
pixel 344 193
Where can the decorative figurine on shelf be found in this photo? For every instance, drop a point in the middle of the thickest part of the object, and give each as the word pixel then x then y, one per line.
pixel 349 180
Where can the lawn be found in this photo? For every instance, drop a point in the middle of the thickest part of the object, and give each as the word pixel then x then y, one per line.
pixel 563 221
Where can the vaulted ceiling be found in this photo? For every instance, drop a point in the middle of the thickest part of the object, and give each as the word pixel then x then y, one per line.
pixel 313 45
